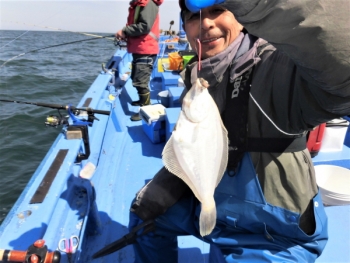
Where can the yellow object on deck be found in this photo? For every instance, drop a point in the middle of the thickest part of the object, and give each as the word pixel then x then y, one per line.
pixel 161 62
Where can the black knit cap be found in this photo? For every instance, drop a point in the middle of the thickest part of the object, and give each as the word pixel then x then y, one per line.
pixel 183 9
pixel 182 5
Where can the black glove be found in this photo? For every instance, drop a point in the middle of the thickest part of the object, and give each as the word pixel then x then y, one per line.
pixel 164 190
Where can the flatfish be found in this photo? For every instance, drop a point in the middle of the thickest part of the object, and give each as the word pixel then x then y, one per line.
pixel 197 150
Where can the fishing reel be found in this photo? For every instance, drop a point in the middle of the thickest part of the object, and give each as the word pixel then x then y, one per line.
pixel 120 43
pixel 55 121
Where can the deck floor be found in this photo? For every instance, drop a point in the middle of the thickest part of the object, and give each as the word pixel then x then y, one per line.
pixel 125 177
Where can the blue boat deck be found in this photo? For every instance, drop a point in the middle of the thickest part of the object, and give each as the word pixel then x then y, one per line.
pixel 125 176
pixel 125 159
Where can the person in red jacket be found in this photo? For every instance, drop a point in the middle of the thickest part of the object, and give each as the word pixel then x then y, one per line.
pixel 142 33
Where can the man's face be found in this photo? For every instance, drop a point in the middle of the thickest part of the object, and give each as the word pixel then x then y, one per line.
pixel 216 29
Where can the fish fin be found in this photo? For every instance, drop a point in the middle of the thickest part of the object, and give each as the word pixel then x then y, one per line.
pixel 224 158
pixel 207 218
pixel 172 164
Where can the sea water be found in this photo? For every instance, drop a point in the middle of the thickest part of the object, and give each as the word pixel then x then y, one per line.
pixel 58 75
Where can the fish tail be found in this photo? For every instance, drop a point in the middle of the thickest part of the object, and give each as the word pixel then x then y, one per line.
pixel 207 218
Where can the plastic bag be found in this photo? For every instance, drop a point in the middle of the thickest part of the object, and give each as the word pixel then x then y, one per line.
pixel 175 61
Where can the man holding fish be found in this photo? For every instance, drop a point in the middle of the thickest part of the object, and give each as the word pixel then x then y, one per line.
pixel 237 172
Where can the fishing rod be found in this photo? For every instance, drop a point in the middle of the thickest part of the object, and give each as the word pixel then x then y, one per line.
pixel 78 124
pixel 60 29
pixel 62 44
pixel 54 121
pixel 59 107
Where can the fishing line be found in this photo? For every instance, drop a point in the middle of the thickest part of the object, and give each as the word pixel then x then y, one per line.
pixel 28 30
pixel 60 29
pixel 58 106
pixel 199 69
pixel 63 44
pixel 14 39
pixel 199 50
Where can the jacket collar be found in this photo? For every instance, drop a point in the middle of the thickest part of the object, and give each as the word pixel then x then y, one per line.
pixel 246 56
pixel 241 55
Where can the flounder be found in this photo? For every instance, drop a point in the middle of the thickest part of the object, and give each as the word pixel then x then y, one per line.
pixel 197 151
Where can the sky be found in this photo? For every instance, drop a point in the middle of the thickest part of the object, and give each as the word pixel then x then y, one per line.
pixel 80 16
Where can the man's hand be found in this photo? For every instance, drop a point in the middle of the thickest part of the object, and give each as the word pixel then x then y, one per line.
pixel 120 35
pixel 134 221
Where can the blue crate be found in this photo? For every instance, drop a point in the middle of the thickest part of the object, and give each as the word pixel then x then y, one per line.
pixel 171 117
pixel 153 122
pixel 170 87
pixel 174 96
pixel 169 78
pixel 154 131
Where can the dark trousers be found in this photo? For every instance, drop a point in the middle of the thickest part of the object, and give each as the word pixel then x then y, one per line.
pixel 142 66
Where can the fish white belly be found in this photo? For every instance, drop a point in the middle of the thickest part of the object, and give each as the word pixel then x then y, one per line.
pixel 197 152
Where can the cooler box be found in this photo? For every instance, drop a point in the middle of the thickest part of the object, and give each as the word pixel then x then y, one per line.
pixel 174 96
pixel 334 135
pixel 153 122
pixel 172 115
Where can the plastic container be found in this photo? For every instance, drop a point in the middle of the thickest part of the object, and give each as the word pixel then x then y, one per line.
pixel 174 96
pixel 334 135
pixel 163 98
pixel 333 182
pixel 186 59
pixel 153 122
pixel 175 61
pixel 163 64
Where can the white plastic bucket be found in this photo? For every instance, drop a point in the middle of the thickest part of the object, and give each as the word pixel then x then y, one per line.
pixel 163 98
pixel 334 182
